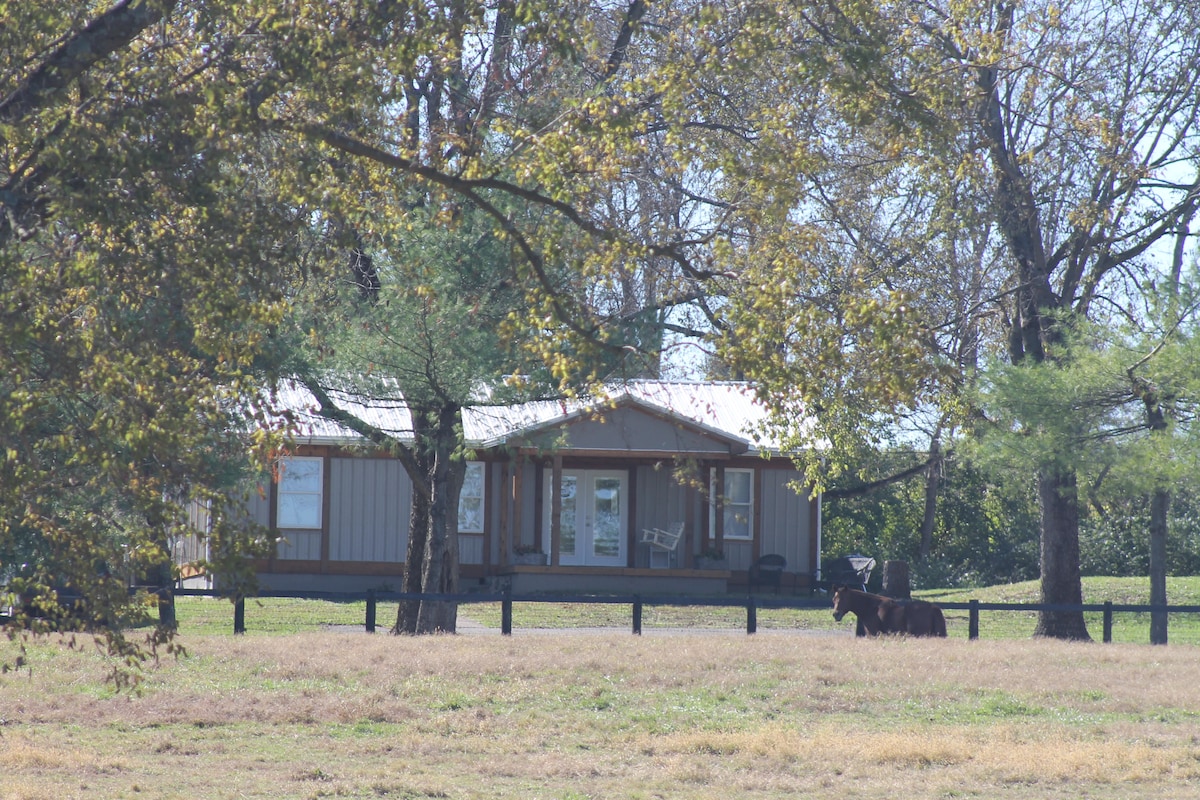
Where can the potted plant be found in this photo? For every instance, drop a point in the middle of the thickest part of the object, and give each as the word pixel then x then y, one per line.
pixel 529 554
pixel 711 558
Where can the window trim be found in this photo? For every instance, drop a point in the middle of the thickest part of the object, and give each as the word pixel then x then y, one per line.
pixel 281 493
pixel 727 504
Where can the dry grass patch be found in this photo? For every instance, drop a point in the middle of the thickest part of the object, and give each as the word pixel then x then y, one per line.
pixel 21 753
pixel 980 756
pixel 701 716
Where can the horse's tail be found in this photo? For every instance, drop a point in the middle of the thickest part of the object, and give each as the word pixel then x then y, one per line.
pixel 938 627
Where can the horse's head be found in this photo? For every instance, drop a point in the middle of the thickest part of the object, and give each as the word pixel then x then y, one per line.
pixel 841 602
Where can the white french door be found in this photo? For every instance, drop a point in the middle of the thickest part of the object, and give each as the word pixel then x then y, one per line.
pixel 593 528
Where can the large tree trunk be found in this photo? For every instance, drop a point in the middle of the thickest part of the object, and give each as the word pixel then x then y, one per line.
pixel 1017 214
pixel 431 565
pixel 414 559
pixel 1160 503
pixel 164 579
pixel 1061 584
pixel 441 562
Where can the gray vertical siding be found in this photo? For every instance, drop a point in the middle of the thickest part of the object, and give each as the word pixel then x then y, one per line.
pixel 785 519
pixel 470 548
pixel 192 548
pixel 304 545
pixel 661 501
pixel 783 516
pixel 498 496
pixel 370 499
pixel 258 506
pixel 369 504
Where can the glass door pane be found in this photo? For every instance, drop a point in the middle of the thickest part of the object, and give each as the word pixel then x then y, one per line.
pixel 570 516
pixel 592 525
pixel 606 517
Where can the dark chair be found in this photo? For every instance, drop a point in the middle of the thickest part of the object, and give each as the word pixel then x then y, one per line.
pixel 768 571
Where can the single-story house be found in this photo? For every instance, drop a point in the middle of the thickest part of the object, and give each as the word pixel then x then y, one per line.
pixel 624 494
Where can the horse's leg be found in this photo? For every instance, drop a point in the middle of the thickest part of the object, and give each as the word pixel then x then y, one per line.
pixel 938 627
pixel 918 620
pixel 891 617
pixel 867 623
pixel 912 618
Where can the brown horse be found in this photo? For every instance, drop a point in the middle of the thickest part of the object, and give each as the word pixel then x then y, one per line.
pixel 877 614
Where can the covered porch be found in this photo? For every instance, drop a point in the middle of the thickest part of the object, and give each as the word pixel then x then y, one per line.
pixel 579 486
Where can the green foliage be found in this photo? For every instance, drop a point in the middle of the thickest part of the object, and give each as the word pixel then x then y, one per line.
pixel 136 286
pixel 819 186
pixel 986 532
pixel 446 290
pixel 1117 544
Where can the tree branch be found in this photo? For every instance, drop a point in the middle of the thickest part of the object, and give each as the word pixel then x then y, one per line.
pixel 860 490
pixel 633 14
pixel 103 36
pixel 327 409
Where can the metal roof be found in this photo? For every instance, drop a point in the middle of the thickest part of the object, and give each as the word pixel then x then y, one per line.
pixel 725 409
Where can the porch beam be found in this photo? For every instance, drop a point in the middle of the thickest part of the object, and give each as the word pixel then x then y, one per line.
pixel 272 519
pixel 719 503
pixel 506 501
pixel 518 488
pixel 556 470
pixel 715 455
pixel 326 509
pixel 691 498
pixel 630 508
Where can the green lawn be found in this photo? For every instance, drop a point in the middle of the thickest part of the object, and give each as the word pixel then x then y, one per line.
pixel 1127 627
pixel 274 616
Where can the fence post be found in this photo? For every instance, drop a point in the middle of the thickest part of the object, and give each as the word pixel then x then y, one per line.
pixel 370 610
pixel 506 613
pixel 239 615
pixel 637 617
pixel 751 615
pixel 973 620
pixel 1108 621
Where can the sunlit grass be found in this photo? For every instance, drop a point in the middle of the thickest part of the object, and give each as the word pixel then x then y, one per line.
pixel 705 715
pixel 1184 628
pixel 278 616
pixel 274 615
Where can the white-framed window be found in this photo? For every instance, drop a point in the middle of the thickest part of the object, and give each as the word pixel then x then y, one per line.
pixel 470 499
pixel 300 492
pixel 739 503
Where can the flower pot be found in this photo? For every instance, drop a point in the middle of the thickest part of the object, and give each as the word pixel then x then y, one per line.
pixel 530 559
pixel 711 563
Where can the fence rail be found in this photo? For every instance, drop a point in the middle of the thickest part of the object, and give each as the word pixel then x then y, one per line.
pixel 638 603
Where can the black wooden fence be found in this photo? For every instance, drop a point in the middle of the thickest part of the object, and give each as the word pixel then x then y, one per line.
pixel 638 603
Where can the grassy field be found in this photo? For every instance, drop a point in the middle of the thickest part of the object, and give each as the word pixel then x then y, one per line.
pixel 571 715
pixel 276 616
pixel 307 707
